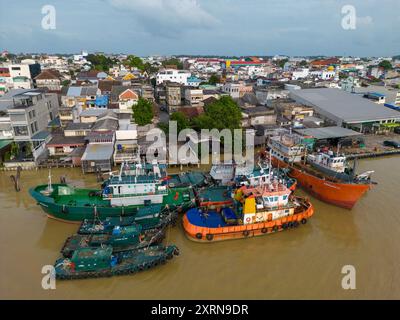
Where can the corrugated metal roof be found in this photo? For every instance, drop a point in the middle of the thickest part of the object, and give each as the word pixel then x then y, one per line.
pixel 95 152
pixel 327 132
pixel 350 108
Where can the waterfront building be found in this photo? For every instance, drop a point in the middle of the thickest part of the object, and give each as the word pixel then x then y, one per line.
pixel 345 109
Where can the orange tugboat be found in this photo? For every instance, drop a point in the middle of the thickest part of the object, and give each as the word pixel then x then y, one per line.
pixel 254 211
pixel 325 175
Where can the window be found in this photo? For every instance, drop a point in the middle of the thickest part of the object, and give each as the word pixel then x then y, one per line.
pixel 33 113
pixel 36 126
pixel 15 68
pixel 32 128
pixel 21 130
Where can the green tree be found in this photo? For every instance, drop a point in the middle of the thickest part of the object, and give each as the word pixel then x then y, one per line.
pixel 143 112
pixel 281 63
pixel 303 63
pixel 222 114
pixel 182 121
pixel 100 62
pixel 214 79
pixel 65 83
pixel 173 62
pixel 134 62
pixel 385 64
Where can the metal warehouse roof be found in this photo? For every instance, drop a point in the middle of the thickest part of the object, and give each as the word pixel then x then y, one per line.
pixel 95 152
pixel 327 132
pixel 347 107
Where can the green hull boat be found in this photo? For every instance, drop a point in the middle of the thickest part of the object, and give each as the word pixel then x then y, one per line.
pixel 70 204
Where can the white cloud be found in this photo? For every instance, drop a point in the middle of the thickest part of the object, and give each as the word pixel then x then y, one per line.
pixel 167 17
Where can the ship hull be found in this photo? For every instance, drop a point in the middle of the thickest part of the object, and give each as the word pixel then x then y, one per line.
pixel 82 208
pixel 206 234
pixel 343 195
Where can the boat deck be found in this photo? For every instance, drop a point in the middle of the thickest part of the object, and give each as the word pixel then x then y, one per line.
pixel 210 219
pixel 215 194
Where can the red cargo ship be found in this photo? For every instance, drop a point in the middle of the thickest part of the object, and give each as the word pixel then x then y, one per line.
pixel 325 175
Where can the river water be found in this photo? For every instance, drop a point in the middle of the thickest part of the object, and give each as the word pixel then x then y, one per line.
pixel 305 263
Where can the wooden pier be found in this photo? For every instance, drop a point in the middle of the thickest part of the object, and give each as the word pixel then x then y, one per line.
pixel 374 154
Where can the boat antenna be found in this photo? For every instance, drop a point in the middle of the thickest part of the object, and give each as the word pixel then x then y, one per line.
pixel 270 164
pixel 49 186
pixel 120 170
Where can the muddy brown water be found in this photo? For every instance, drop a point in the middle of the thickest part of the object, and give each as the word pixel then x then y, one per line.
pixel 305 263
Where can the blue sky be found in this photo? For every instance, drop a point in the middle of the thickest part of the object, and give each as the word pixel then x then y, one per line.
pixel 229 27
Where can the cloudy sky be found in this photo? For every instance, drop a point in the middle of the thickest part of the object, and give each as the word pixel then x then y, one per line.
pixel 224 27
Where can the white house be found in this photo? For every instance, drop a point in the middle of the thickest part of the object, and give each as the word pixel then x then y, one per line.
pixel 172 75
pixel 300 74
pixel 233 89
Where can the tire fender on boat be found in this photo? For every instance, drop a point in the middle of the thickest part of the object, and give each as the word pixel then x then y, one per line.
pixel 199 236
pixel 210 237
pixel 303 221
pixel 246 233
pixel 264 230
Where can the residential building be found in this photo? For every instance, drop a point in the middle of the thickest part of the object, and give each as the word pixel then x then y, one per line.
pixel 50 79
pixel 125 97
pixel 99 152
pixel 173 96
pixel 300 74
pixel 232 89
pixel 172 75
pixel 22 74
pixel 147 92
pixel 194 97
pixel 91 115
pixel 126 146
pixel 77 129
pixel 63 146
pixel 5 80
pixel 30 111
pixel 258 116
pixel 193 81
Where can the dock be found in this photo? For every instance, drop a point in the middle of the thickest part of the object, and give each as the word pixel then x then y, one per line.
pixel 374 154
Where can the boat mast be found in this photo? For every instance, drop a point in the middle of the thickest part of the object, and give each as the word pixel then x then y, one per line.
pixel 49 186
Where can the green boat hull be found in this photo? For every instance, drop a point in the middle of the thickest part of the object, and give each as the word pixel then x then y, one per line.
pixel 79 206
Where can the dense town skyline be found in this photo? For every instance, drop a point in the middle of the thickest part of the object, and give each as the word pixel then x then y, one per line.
pixel 203 27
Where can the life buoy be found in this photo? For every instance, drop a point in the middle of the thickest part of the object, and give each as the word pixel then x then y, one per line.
pixel 210 237
pixel 246 233
pixel 248 219
pixel 199 236
pixel 303 221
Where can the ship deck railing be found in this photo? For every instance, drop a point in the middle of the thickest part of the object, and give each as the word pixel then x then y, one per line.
pixel 111 195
